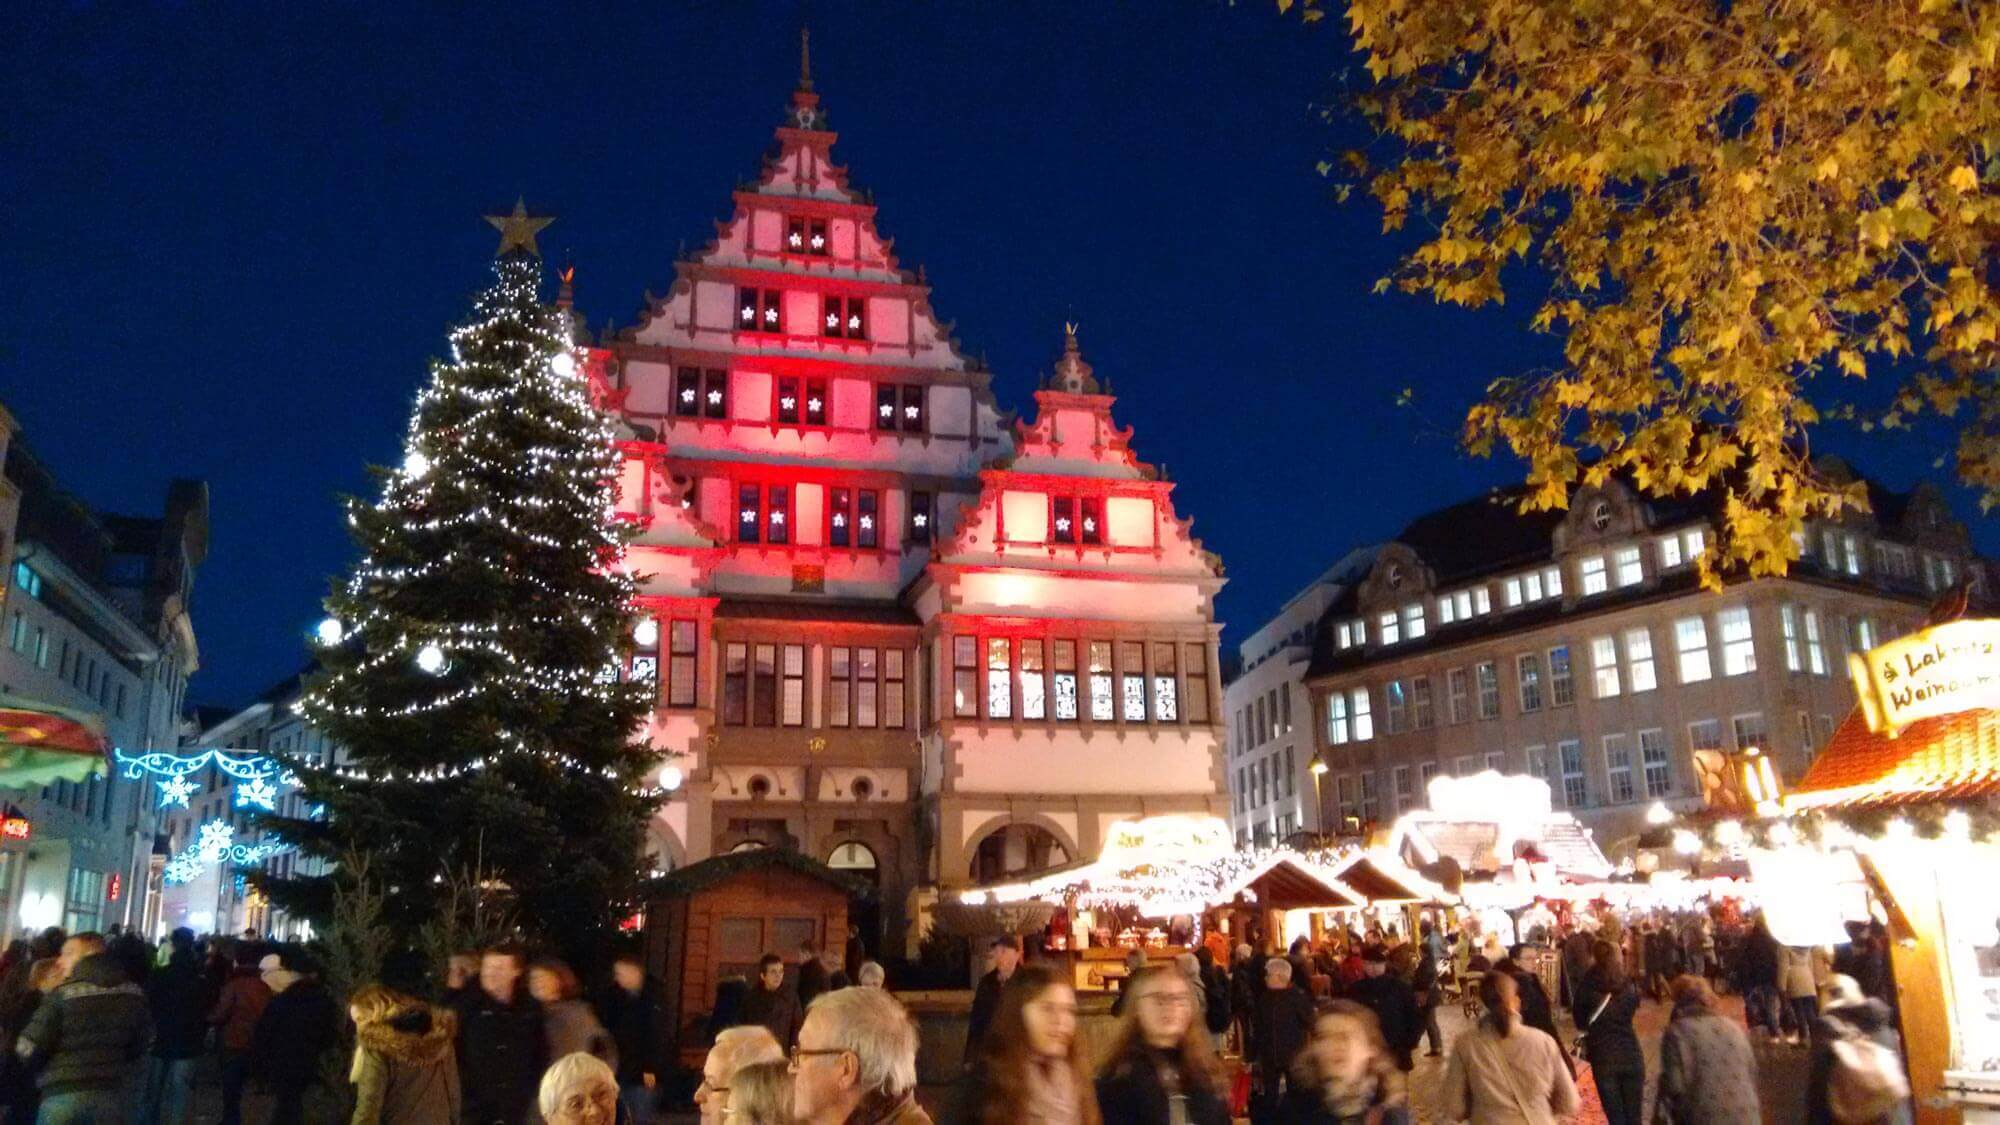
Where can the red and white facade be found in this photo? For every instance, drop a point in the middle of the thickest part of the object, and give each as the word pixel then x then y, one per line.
pixel 891 626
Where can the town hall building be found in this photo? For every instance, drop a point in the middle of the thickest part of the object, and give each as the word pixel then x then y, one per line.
pixel 892 626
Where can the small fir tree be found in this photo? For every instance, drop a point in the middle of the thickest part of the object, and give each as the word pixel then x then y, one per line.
pixel 469 664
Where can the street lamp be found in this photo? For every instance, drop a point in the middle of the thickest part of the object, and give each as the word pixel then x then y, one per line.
pixel 1318 770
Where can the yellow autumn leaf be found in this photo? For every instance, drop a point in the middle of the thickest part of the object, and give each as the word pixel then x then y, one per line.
pixel 1963 178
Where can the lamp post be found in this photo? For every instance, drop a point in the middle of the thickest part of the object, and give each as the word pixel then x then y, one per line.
pixel 1318 770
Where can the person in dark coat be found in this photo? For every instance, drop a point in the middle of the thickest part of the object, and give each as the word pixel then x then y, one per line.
pixel 1245 979
pixel 1757 971
pixel 403 1070
pixel 1159 1054
pixel 1536 1011
pixel 1393 1000
pixel 17 1007
pixel 1708 1073
pixel 812 975
pixel 1279 1029
pixel 1345 1075
pixel 501 1054
pixel 771 1003
pixel 179 998
pixel 133 954
pixel 630 1011
pixel 234 1016
pixel 1006 952
pixel 1604 1009
pixel 1214 993
pixel 87 1039
pixel 300 1024
pixel 1849 1012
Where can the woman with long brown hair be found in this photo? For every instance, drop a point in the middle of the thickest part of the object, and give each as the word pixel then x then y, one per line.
pixel 1161 1061
pixel 1031 1068
pixel 1346 1073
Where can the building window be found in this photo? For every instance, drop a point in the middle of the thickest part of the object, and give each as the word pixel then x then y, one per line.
pixel 1630 573
pixel 1371 804
pixel 1751 733
pixel 757 310
pixel 1455 695
pixel 1576 794
pixel 1691 640
pixel 792 693
pixel 1388 628
pixel 1423 714
pixel 735 684
pixel 1592 576
pixel 1284 707
pixel 920 517
pixel 1815 652
pixel 965 677
pixel 1864 636
pixel 1364 724
pixel 1413 620
pixel 764 685
pixel 1537 760
pixel 1194 666
pixel 1425 772
pixel 1395 708
pixel 1562 677
pixel 1739 651
pixel 1102 709
pixel 1528 670
pixel 1489 690
pixel 1336 718
pixel 1604 665
pixel 1065 661
pixel 787 404
pixel 806 236
pixel 839 686
pixel 1653 759
pixel 1166 685
pixel 1531 587
pixel 1789 623
pixel 1132 680
pixel 1618 768
pixel 1510 592
pixel 763 510
pixel 701 392
pixel 1406 791
pixel 999 678
pixel 1496 760
pixel 845 318
pixel 1075 519
pixel 1034 682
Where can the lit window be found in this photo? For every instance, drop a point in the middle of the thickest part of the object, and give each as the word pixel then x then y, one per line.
pixel 1166 697
pixel 1815 652
pixel 965 677
pixel 1455 694
pixel 1482 600
pixel 1132 680
pixel 1413 620
pixel 1670 552
pixel 1447 612
pixel 1853 556
pixel 1423 714
pixel 1336 719
pixel 1102 709
pixel 1576 793
pixel 701 392
pixel 844 318
pixel 1629 571
pixel 1604 665
pixel 1751 733
pixel 1528 668
pixel 921 515
pixel 749 513
pixel 1511 592
pixel 1395 708
pixel 1864 634
pixel 1639 660
pixel 1592 571
pixel 1531 587
pixel 1552 581
pixel 999 678
pixel 1364 725
pixel 815 402
pixel 807 236
pixel 1788 619
pixel 1387 629
pixel 788 405
pixel 1489 690
pixel 1065 681
pixel 757 310
pixel 1739 652
pixel 777 514
pixel 1691 641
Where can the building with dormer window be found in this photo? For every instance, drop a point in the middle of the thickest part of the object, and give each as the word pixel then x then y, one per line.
pixel 892 627
pixel 1580 647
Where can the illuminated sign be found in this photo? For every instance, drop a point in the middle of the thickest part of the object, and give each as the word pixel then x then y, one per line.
pixel 16 828
pixel 113 887
pixel 1942 670
pixel 1179 838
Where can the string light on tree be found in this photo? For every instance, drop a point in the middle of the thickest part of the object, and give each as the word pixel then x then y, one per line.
pixel 329 632
pixel 431 659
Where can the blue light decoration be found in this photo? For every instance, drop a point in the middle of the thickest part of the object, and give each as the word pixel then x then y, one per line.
pixel 260 777
pixel 215 842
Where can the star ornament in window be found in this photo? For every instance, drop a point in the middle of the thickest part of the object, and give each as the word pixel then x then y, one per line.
pixel 813 405
pixel 176 791
pixel 788 402
pixel 795 238
pixel 888 411
pixel 771 315
pixel 854 323
pixel 687 394
pixel 921 520
pixel 867 522
pixel 1090 525
pixel 749 515
pixel 715 398
pixel 749 314
pixel 819 242
pixel 839 519
pixel 1062 523
pixel 777 519
pixel 909 412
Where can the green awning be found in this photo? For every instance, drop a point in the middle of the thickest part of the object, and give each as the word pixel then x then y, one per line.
pixel 40 744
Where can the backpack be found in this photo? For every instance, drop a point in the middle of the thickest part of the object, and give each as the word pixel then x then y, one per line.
pixel 1866 1080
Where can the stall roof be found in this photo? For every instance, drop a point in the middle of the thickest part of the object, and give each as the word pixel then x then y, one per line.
pixel 1365 876
pixel 1282 883
pixel 1947 758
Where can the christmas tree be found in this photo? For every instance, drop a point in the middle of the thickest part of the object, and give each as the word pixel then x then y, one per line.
pixel 469 665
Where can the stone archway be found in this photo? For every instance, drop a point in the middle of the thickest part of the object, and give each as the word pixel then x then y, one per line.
pixel 1015 849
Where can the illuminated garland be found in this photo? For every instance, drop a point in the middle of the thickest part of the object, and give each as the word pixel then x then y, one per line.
pixel 259 777
pixel 215 843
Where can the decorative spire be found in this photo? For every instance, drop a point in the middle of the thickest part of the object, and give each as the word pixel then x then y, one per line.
pixel 1073 375
pixel 566 294
pixel 805 58
pixel 805 112
pixel 518 230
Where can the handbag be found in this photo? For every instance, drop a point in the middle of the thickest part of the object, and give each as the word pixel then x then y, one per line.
pixel 1239 1093
pixel 1577 1048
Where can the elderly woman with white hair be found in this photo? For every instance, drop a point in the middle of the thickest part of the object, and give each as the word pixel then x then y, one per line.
pixel 734 1049
pixel 581 1089
pixel 856 1062
pixel 871 975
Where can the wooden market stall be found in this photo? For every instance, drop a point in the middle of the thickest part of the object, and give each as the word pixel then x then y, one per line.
pixel 1912 781
pixel 708 923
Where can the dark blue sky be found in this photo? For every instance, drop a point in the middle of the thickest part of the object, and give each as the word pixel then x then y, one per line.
pixel 231 235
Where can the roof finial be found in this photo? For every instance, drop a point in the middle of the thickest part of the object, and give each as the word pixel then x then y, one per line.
pixel 805 58
pixel 1073 375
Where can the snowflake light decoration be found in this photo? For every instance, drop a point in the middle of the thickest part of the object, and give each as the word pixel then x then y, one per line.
pixel 257 793
pixel 176 791
pixel 213 844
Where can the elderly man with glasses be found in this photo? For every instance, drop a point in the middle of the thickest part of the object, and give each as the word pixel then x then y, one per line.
pixel 856 1062
pixel 734 1049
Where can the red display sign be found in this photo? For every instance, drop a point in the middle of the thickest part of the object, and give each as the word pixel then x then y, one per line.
pixel 16 828
pixel 113 887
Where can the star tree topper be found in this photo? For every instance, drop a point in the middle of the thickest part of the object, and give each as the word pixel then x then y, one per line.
pixel 518 230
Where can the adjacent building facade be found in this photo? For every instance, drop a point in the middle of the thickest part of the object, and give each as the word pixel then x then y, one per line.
pixel 96 619
pixel 891 626
pixel 1580 647
pixel 1273 788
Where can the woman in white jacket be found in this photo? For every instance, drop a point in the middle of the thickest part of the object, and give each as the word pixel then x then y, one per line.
pixel 1801 971
pixel 1503 1072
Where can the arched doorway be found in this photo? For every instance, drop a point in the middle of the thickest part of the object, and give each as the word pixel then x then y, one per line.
pixel 749 846
pixel 864 912
pixel 1015 850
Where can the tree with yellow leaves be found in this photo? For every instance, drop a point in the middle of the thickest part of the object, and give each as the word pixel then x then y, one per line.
pixel 1722 202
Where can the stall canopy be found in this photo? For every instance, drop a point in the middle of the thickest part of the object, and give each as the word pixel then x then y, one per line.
pixel 40 744
pixel 1283 883
pixel 1945 758
pixel 1368 876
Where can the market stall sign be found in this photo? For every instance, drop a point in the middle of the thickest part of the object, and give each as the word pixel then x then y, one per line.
pixel 16 828
pixel 1183 838
pixel 1941 670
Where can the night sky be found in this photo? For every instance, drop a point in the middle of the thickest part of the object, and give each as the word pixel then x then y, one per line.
pixel 232 234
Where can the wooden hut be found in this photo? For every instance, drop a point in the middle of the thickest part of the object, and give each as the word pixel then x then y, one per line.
pixel 711 921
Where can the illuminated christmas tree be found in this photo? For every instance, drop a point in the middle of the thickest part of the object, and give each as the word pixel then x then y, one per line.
pixel 470 661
